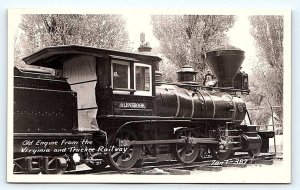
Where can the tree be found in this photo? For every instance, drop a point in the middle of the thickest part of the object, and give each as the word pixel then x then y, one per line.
pixel 266 80
pixel 42 30
pixel 268 34
pixel 185 38
pixel 169 70
pixel 268 71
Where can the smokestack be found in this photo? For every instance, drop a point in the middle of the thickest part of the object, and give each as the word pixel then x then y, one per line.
pixel 225 63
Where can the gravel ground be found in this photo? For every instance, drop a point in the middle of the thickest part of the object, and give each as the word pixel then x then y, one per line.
pixel 253 173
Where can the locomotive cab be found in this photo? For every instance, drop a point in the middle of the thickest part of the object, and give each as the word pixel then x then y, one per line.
pixel 109 84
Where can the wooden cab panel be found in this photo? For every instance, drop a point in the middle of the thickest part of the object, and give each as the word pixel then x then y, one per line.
pixel 80 72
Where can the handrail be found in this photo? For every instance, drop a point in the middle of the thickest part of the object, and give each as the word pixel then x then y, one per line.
pixel 209 87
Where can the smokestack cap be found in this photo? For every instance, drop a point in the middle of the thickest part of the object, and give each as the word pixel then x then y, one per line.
pixel 225 50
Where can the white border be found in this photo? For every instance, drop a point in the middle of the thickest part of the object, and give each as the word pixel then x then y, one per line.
pixel 283 177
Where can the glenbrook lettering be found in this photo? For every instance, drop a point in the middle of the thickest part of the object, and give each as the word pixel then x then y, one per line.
pixel 132 105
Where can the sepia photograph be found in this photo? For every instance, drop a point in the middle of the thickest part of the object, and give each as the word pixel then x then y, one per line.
pixel 149 96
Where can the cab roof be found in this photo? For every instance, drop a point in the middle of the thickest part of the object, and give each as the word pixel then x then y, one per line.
pixel 53 57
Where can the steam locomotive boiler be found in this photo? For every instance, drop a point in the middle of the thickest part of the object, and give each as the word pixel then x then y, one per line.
pixel 124 108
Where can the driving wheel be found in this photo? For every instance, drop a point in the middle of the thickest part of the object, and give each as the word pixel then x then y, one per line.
pixel 123 157
pixel 186 152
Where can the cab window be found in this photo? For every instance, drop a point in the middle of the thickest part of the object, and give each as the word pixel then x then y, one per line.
pixel 120 74
pixel 142 75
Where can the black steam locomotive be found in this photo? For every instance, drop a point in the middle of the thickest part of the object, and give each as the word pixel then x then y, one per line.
pixel 112 108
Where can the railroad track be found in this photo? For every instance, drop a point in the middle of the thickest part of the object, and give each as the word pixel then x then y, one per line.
pixel 241 160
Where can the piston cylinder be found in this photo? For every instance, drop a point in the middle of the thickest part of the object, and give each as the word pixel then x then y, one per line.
pixel 251 143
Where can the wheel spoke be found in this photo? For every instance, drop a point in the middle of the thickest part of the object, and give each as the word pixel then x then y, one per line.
pixel 51 161
pixel 183 156
pixel 115 154
pixel 180 150
pixel 119 160
pixel 183 153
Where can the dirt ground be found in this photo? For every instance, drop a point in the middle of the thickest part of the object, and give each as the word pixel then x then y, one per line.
pixel 252 173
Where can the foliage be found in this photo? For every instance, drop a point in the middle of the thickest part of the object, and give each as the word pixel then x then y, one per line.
pixel 267 76
pixel 42 30
pixel 169 70
pixel 185 38
pixel 268 33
